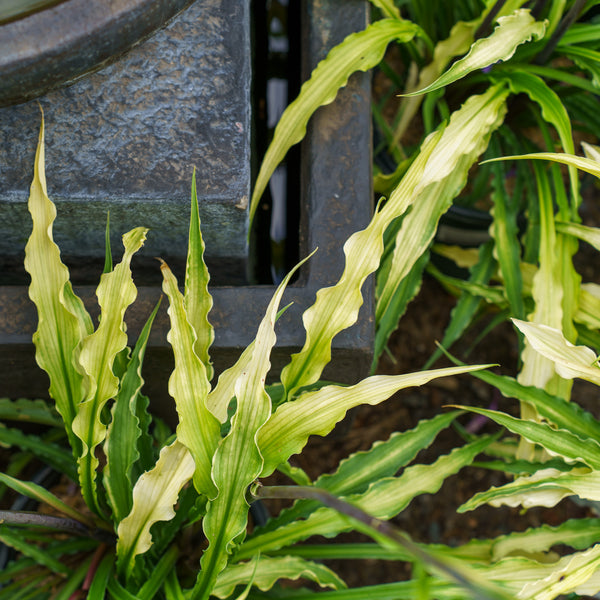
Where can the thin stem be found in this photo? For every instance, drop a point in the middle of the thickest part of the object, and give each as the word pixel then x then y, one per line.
pixel 372 523
pixel 28 518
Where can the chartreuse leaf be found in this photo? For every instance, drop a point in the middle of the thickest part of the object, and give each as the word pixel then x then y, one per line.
pixel 270 570
pixel 198 300
pixel 546 487
pixel 238 460
pixel 358 471
pixel 388 8
pixel 358 52
pixel 584 164
pixel 443 176
pixel 98 351
pixel 561 442
pixel 571 361
pixel 384 499
pixel 336 307
pixel 511 31
pixel 198 429
pixel 154 495
pixel 316 413
pixel 62 320
pixel 122 439
pixel 591 235
pixel 576 533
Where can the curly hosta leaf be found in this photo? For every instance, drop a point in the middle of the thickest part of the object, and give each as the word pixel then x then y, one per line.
pixel 154 495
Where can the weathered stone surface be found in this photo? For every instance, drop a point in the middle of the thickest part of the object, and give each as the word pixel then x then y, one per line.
pixel 128 137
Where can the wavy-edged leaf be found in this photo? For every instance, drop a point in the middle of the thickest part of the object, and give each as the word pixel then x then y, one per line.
pixel 198 301
pixel 29 411
pixel 576 533
pixel 358 52
pixel 573 573
pixel 62 319
pixel 54 455
pixel 546 487
pixel 41 494
pixel 115 293
pixel 584 164
pixel 154 495
pixel 570 360
pixel 510 32
pixel 122 442
pixel 238 460
pixel 355 473
pixel 198 428
pixel 270 570
pixel 560 442
pixel 336 307
pixel 383 499
pixel 444 175
pixel 316 413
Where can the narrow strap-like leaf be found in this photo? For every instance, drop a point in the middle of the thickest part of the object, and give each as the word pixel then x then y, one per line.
pixel 358 52
pixel 316 413
pixel 238 460
pixel 98 351
pixel 511 31
pixel 198 300
pixel 29 411
pixel 198 428
pixel 62 323
pixel 121 446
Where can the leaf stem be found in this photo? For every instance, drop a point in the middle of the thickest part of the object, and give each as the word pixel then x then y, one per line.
pixel 29 518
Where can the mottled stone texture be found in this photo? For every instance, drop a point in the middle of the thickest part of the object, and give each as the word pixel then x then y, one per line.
pixel 128 137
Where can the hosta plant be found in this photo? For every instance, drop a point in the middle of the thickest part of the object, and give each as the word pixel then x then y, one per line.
pixel 165 514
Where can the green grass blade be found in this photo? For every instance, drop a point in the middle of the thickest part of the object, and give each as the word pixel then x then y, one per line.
pixel 154 495
pixel 102 575
pixel 165 565
pixel 198 429
pixel 98 351
pixel 198 301
pixel 122 442
pixel 358 52
pixel 61 321
pixel 511 31
pixel 238 460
